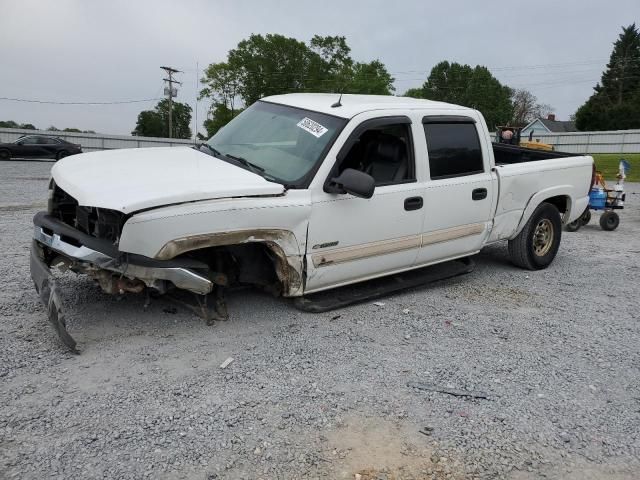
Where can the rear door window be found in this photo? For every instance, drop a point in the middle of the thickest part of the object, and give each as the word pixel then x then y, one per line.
pixel 454 148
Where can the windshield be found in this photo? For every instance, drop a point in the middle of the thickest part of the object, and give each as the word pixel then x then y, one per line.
pixel 279 142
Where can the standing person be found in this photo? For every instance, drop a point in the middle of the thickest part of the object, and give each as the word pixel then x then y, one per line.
pixel 507 136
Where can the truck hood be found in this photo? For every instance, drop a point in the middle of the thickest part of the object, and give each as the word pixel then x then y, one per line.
pixel 134 179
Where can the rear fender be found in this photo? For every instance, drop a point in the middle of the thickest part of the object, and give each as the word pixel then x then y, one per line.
pixel 555 192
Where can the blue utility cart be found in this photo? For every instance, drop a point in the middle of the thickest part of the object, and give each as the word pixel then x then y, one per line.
pixel 607 200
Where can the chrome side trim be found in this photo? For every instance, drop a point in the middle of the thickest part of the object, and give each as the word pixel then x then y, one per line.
pixel 181 277
pixel 358 252
pixel 452 233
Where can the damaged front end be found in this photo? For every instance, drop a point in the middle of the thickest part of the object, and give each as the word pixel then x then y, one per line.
pixel 86 240
pixel 58 244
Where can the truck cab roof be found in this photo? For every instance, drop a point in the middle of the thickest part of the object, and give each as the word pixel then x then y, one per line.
pixel 352 105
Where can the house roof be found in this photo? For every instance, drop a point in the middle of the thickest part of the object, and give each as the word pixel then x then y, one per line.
pixel 558 126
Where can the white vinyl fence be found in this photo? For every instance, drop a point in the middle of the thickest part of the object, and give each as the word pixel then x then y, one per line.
pixel 91 142
pixel 615 141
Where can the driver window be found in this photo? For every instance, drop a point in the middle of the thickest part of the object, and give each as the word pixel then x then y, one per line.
pixel 385 153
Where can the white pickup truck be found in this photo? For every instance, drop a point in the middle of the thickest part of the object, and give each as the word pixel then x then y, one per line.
pixel 303 193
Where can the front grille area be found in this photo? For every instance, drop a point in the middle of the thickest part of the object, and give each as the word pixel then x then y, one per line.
pixel 98 222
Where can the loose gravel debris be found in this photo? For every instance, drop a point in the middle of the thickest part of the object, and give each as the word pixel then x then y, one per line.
pixel 325 395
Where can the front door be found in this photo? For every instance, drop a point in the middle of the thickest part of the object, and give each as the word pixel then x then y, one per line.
pixel 27 147
pixel 353 239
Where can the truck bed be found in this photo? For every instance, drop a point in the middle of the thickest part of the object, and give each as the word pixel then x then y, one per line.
pixel 505 154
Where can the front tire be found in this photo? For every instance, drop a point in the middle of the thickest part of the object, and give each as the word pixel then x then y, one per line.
pixel 535 247
pixel 5 155
pixel 585 218
pixel 62 154
pixel 609 221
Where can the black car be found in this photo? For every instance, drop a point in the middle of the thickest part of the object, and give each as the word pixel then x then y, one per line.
pixel 38 146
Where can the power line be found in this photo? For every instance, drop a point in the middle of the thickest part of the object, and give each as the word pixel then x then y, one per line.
pixel 118 102
pixel 302 77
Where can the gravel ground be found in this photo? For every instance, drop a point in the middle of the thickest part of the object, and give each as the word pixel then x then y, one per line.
pixel 328 395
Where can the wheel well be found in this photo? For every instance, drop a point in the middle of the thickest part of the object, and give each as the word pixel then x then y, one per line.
pixel 277 248
pixel 561 202
pixel 253 263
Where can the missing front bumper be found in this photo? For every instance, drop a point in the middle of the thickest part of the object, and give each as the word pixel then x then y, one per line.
pixel 84 254
pixel 146 269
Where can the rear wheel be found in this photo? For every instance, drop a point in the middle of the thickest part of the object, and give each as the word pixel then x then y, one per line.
pixel 5 154
pixel 535 247
pixel 62 154
pixel 585 218
pixel 609 221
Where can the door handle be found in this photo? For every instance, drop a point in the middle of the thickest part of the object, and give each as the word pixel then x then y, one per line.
pixel 479 194
pixel 413 203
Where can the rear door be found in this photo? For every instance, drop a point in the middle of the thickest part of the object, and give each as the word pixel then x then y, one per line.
pixel 49 147
pixel 458 195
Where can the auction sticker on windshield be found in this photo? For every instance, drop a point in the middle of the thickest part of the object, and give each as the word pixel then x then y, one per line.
pixel 314 128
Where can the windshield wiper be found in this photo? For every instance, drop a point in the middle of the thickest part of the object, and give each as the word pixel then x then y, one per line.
pixel 241 160
pixel 251 166
pixel 215 152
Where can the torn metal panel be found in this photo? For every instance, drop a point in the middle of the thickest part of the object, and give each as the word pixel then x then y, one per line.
pixel 48 291
pixel 289 268
pixel 181 245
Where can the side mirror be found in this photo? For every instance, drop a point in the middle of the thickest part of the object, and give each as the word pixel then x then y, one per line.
pixel 355 182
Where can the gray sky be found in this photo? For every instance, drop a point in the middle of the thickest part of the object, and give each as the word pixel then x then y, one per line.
pixel 85 50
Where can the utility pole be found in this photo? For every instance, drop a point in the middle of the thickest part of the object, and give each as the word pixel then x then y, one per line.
pixel 170 92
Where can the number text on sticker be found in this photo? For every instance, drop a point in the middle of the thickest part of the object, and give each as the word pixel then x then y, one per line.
pixel 314 128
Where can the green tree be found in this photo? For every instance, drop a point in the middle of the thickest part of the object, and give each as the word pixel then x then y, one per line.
pixel 149 124
pixel 220 116
pixel 181 118
pixel 331 68
pixel 370 78
pixel 155 123
pixel 271 65
pixel 414 93
pixel 12 124
pixel 473 87
pixel 222 83
pixel 615 103
pixel 274 64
